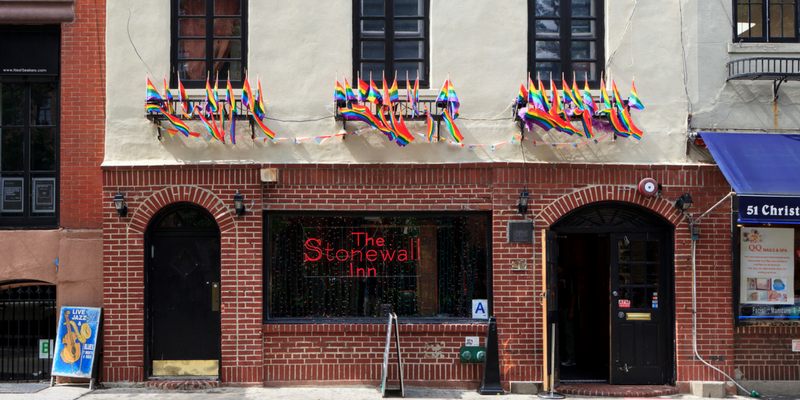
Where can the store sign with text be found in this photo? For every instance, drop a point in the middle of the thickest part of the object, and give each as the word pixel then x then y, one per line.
pixel 769 209
pixel 767 265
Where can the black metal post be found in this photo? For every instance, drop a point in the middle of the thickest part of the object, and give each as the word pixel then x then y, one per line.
pixel 490 383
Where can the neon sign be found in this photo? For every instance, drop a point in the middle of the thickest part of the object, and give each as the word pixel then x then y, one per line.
pixel 313 251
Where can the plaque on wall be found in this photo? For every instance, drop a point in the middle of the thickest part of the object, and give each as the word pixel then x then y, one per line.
pixel 12 195
pixel 44 192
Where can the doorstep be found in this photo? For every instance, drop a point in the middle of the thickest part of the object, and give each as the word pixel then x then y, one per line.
pixel 607 390
pixel 182 384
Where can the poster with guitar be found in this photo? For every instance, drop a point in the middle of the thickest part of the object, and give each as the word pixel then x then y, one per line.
pixel 78 328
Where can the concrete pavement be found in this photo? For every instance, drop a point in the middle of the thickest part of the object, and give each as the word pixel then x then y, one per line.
pixel 69 392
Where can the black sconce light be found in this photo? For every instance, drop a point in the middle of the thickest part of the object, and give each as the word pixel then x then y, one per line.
pixel 238 203
pixel 119 204
pixel 522 203
pixel 684 202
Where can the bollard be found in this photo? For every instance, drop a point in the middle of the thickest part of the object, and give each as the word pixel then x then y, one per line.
pixel 490 383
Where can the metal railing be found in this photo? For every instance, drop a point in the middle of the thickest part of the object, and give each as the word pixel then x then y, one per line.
pixel 27 326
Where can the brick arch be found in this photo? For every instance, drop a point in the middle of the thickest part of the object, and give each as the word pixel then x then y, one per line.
pixel 567 203
pixel 148 208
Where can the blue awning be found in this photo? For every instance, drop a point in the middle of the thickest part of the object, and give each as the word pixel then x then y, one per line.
pixel 757 163
pixel 764 170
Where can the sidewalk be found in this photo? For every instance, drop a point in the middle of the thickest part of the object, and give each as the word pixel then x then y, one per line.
pixel 260 393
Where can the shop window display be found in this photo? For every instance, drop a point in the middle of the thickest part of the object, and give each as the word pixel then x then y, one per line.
pixel 352 266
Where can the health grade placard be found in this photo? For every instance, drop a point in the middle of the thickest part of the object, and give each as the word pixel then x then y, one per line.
pixel 767 265
pixel 76 341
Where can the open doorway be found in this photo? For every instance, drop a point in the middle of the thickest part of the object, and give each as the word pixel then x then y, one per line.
pixel 586 264
pixel 616 283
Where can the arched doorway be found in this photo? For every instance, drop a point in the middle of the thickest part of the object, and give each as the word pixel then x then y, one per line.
pixel 617 277
pixel 182 297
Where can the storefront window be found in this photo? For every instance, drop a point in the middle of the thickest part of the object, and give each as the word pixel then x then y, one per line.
pixel 769 273
pixel 329 266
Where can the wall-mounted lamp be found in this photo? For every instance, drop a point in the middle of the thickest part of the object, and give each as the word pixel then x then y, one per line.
pixel 522 203
pixel 684 202
pixel 238 203
pixel 119 204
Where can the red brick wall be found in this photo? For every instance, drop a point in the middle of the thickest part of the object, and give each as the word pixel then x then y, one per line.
pixel 148 190
pixel 83 116
pixel 282 353
pixel 765 353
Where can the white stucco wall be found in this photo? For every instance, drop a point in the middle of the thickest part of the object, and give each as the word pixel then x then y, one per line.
pixel 737 105
pixel 296 47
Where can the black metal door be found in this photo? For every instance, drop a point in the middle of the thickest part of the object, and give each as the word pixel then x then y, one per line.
pixel 27 332
pixel 184 289
pixel 639 308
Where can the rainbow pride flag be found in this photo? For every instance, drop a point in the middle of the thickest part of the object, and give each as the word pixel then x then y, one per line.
pixel 232 102
pixel 532 92
pixel 443 93
pixel 540 118
pixel 586 121
pixel 604 100
pixel 588 101
pixel 452 99
pixel 615 93
pixel 404 137
pixel 152 93
pixel 362 113
pixel 270 134
pixel 616 124
pixel 451 126
pixel 348 91
pixel 211 127
pixel 633 99
pixel 212 101
pixel 390 129
pixel 247 95
pixel 339 93
pixel 387 96
pixel 543 95
pixel 374 94
pixel 258 106
pixel 626 119
pixel 168 97
pixel 393 93
pixel 522 96
pixel 430 125
pixel 363 90
pixel 183 98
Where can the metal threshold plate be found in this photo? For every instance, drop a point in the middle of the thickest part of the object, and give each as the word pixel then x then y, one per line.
pixel 186 367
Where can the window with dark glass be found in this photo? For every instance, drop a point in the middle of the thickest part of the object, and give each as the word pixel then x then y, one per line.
pixel 209 37
pixel 566 37
pixel 330 266
pixel 28 151
pixel 391 38
pixel 765 20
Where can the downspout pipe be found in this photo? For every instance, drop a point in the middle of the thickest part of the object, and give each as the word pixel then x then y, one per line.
pixel 692 224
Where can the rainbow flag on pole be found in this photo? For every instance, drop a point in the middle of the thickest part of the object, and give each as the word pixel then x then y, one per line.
pixel 633 99
pixel 451 126
pixel 152 93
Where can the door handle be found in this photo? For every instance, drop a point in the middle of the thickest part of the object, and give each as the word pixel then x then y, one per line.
pixel 214 296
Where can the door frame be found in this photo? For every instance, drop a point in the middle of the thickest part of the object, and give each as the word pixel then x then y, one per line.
pixel 148 265
pixel 659 224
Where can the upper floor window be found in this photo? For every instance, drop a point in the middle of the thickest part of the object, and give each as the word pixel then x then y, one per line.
pixel 391 37
pixel 765 20
pixel 209 37
pixel 28 151
pixel 566 36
